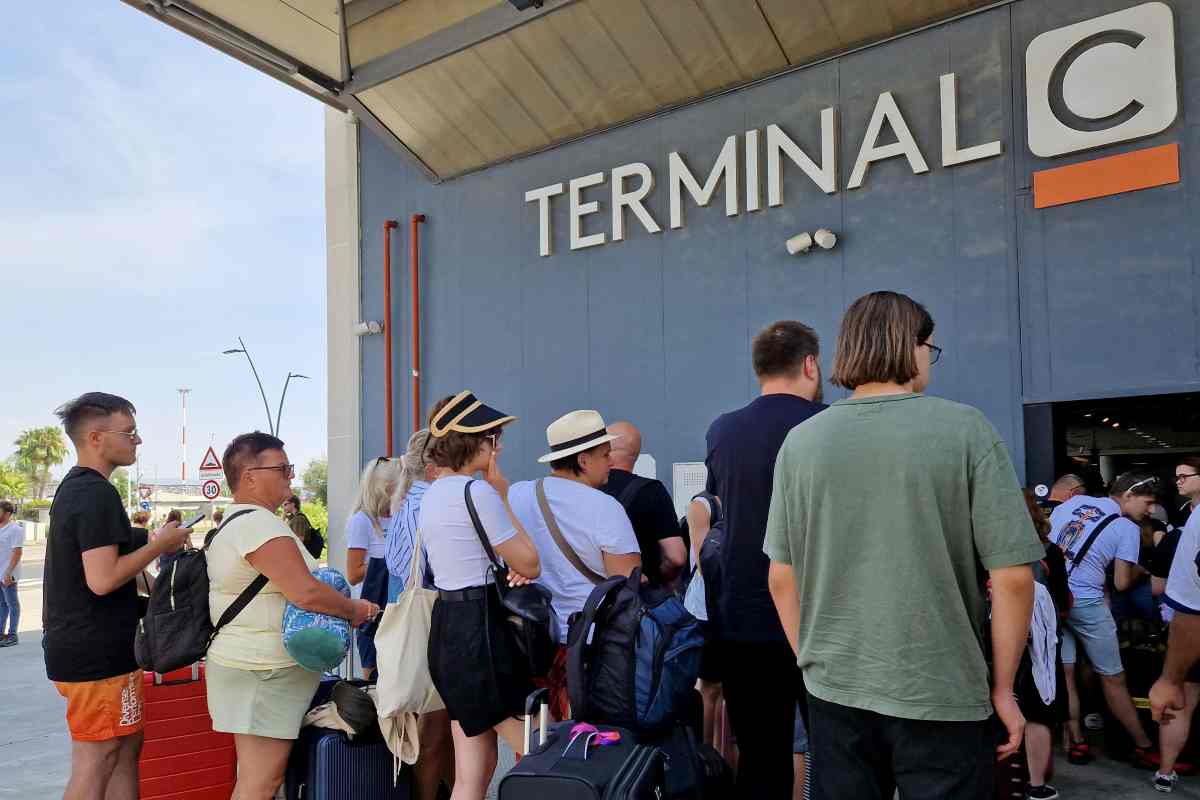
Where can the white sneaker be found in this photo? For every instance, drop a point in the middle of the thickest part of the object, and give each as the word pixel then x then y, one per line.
pixel 1093 722
pixel 1165 783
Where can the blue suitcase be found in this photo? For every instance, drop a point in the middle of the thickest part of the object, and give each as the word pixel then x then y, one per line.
pixel 326 765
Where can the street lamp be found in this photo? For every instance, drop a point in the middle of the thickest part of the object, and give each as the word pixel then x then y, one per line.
pixel 246 353
pixel 282 396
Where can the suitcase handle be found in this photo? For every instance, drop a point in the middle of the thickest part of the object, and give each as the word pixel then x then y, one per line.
pixel 539 699
pixel 158 677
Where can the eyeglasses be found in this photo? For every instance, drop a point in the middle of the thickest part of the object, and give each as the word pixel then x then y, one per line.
pixel 133 434
pixel 1181 478
pixel 494 438
pixel 935 352
pixel 288 470
pixel 382 460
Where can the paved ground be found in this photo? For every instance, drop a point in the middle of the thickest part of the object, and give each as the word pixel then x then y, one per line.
pixel 35 750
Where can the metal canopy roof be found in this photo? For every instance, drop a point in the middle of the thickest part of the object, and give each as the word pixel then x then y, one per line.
pixel 460 84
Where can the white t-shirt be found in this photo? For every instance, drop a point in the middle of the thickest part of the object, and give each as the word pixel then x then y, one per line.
pixel 12 536
pixel 1072 523
pixel 451 544
pixel 361 535
pixel 591 521
pixel 254 639
pixel 1183 582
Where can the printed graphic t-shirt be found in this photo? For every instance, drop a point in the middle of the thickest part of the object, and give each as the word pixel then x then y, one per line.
pixel 254 639
pixel 87 637
pixel 1071 525
pixel 884 507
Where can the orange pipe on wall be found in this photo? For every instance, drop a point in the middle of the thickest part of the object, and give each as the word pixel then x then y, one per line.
pixel 387 326
pixel 414 277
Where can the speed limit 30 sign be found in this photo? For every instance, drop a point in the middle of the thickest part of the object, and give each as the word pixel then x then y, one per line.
pixel 210 490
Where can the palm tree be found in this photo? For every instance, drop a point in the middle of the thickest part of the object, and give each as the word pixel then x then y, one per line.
pixel 12 483
pixel 38 451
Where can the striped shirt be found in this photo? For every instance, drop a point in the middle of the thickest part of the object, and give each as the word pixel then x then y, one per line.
pixel 401 536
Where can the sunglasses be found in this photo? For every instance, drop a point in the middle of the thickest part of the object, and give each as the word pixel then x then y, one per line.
pixel 288 470
pixel 131 435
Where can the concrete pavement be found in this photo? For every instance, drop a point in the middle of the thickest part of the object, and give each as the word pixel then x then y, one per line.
pixel 35 749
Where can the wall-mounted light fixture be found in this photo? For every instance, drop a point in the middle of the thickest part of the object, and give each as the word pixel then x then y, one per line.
pixel 803 242
pixel 800 243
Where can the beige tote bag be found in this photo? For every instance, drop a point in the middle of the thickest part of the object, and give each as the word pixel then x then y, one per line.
pixel 402 645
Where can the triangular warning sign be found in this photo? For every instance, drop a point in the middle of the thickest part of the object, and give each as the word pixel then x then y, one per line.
pixel 210 462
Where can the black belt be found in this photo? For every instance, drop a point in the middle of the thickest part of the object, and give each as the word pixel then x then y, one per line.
pixel 462 595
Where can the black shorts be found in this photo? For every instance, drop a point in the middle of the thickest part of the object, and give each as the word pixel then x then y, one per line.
pixel 474 663
pixel 1030 700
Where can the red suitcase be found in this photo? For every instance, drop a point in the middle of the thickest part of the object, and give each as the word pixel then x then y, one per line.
pixel 183 758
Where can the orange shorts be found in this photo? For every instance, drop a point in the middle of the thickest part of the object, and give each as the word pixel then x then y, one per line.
pixel 104 709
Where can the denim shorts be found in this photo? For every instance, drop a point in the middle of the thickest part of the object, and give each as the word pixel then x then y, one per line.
pixel 1091 624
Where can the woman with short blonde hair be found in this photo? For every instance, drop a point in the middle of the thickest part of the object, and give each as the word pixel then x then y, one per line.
pixel 366 543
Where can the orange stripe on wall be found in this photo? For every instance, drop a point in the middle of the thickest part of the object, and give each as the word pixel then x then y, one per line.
pixel 1103 177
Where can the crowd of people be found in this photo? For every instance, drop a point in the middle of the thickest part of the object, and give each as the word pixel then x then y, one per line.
pixel 887 602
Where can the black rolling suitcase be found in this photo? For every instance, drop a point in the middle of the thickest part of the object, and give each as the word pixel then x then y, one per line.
pixel 326 765
pixel 566 767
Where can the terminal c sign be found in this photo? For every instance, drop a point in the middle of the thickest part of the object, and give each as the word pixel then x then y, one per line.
pixel 1092 84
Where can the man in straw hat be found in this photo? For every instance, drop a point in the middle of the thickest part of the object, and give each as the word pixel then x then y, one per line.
pixel 582 534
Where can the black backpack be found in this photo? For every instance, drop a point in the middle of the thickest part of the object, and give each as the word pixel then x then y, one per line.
pixel 177 629
pixel 633 656
pixel 712 559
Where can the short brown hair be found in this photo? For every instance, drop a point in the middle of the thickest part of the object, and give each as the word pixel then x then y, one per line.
pixel 174 515
pixel 1136 482
pixel 878 338
pixel 294 500
pixel 244 449
pixel 456 449
pixel 782 347
pixel 141 517
pixel 7 506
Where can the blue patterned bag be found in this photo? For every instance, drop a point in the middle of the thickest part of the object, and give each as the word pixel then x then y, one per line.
pixel 317 641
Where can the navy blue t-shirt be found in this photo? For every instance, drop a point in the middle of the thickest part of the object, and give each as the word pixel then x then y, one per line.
pixel 742 446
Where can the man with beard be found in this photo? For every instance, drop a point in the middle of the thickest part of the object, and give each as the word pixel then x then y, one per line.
pixel 762 683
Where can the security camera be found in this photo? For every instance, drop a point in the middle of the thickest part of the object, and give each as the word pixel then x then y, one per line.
pixel 825 239
pixel 800 243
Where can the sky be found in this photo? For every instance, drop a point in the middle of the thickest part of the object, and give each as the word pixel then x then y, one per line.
pixel 159 199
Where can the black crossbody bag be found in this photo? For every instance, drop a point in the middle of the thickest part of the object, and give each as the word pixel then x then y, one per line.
pixel 530 619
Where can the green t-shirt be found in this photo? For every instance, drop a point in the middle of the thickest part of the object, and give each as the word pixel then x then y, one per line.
pixel 884 507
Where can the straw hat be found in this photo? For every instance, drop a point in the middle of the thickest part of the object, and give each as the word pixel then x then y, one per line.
pixel 575 432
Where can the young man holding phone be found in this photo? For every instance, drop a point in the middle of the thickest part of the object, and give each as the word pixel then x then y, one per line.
pixel 91 604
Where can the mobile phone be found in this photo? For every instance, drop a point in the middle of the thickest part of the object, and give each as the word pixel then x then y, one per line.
pixel 194 521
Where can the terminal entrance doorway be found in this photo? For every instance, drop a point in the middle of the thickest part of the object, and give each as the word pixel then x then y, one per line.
pixel 1099 439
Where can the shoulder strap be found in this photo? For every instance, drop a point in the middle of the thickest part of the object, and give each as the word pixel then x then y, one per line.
pixel 1096 531
pixel 479 531
pixel 631 490
pixel 243 599
pixel 714 504
pixel 560 540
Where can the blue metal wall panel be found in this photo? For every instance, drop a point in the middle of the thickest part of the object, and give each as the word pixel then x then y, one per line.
pixel 1108 286
pixel 1086 300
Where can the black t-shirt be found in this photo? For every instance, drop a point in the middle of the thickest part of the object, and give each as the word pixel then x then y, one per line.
pixel 86 637
pixel 653 517
pixel 742 446
pixel 1164 554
